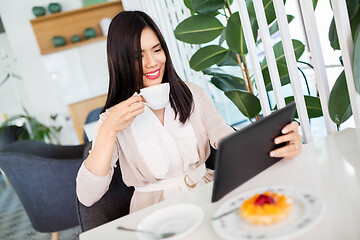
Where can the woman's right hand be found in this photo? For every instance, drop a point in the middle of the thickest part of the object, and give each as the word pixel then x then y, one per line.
pixel 123 114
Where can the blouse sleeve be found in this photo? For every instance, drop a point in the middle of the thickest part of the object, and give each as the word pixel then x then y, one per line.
pixel 89 187
pixel 215 125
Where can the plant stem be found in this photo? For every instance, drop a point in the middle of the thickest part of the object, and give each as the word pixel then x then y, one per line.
pixel 242 71
pixel 228 7
pixel 248 79
pixel 227 19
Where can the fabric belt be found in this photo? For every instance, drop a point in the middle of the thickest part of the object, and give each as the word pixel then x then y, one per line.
pixel 189 180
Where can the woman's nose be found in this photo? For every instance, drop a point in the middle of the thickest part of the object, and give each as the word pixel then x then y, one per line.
pixel 149 61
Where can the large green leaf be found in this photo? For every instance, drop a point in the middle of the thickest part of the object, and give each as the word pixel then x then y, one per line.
pixel 207 56
pixel 299 48
pixel 355 22
pixel 225 83
pixel 275 27
pixel 339 101
pixel 313 106
pixel 333 38
pixel 188 4
pixel 229 60
pixel 222 37
pixel 356 65
pixel 234 34
pixel 314 3
pixel 353 7
pixel 268 7
pixel 207 6
pixel 199 29
pixel 283 74
pixel 247 103
pixel 218 72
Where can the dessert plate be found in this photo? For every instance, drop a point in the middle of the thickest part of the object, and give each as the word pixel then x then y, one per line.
pixel 181 219
pixel 306 212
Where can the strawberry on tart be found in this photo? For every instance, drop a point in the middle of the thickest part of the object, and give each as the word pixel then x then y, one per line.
pixel 266 209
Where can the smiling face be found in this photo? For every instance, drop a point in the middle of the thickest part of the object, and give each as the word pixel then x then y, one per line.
pixel 153 58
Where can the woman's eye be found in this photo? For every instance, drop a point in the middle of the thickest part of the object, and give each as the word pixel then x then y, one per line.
pixel 158 50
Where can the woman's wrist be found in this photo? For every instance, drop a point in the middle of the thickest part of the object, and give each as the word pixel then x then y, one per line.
pixel 107 132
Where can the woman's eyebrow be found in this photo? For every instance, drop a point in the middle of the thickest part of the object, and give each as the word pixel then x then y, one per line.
pixel 155 46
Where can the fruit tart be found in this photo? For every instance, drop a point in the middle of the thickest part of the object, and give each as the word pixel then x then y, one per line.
pixel 266 209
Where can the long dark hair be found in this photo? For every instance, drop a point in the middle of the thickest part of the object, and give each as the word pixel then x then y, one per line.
pixel 125 63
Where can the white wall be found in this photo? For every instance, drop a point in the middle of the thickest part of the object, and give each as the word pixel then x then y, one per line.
pixel 13 95
pixel 54 80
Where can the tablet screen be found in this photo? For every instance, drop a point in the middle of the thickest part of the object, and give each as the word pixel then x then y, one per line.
pixel 245 153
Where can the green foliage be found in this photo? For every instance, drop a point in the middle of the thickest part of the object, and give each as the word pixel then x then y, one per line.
pixel 234 34
pixel 207 6
pixel 247 103
pixel 207 56
pixel 314 3
pixel 353 7
pixel 205 25
pixel 356 64
pixel 313 106
pixel 199 29
pixel 35 129
pixel 269 9
pixel 339 101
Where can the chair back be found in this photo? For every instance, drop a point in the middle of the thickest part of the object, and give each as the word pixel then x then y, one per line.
pixel 11 134
pixel 114 204
pixel 43 176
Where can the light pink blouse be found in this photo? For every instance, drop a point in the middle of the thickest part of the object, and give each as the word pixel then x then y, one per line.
pixel 208 126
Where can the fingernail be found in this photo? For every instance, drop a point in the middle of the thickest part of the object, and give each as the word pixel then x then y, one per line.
pixel 276 141
pixel 272 154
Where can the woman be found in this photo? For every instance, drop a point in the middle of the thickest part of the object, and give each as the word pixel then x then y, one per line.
pixel 161 152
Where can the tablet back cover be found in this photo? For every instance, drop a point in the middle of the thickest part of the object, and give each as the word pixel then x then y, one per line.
pixel 245 153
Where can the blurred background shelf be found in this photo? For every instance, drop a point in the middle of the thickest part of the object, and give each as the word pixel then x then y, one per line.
pixel 70 23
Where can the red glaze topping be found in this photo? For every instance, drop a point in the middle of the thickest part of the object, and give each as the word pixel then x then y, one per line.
pixel 264 199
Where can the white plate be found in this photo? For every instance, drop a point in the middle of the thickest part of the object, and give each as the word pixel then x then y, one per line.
pixel 307 211
pixel 180 218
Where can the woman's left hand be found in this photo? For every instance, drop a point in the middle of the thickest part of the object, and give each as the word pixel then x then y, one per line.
pixel 292 138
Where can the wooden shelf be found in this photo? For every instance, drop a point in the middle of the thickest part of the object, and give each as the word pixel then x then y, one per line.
pixel 71 45
pixel 69 23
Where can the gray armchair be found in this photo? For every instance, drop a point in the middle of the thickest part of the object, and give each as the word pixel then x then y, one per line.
pixel 114 204
pixel 43 176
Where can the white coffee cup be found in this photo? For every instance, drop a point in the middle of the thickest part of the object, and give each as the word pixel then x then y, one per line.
pixel 156 96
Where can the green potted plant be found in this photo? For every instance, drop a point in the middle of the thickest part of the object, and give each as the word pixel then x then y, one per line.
pixel 206 25
pixel 339 101
pixel 34 130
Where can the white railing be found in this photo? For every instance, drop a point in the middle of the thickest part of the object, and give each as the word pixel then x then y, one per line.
pixel 318 61
pixel 342 23
pixel 169 13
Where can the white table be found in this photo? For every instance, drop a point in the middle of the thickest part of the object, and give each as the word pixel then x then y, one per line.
pixel 329 166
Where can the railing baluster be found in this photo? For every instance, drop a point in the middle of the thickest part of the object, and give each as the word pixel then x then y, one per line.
pixel 318 61
pixel 270 56
pixel 293 71
pixel 249 38
pixel 347 48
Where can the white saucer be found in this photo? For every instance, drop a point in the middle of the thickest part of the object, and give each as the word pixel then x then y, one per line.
pixel 306 213
pixel 180 218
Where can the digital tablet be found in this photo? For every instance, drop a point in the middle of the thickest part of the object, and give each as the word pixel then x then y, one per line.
pixel 245 153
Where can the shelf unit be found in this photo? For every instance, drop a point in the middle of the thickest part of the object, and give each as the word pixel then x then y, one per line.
pixel 69 23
